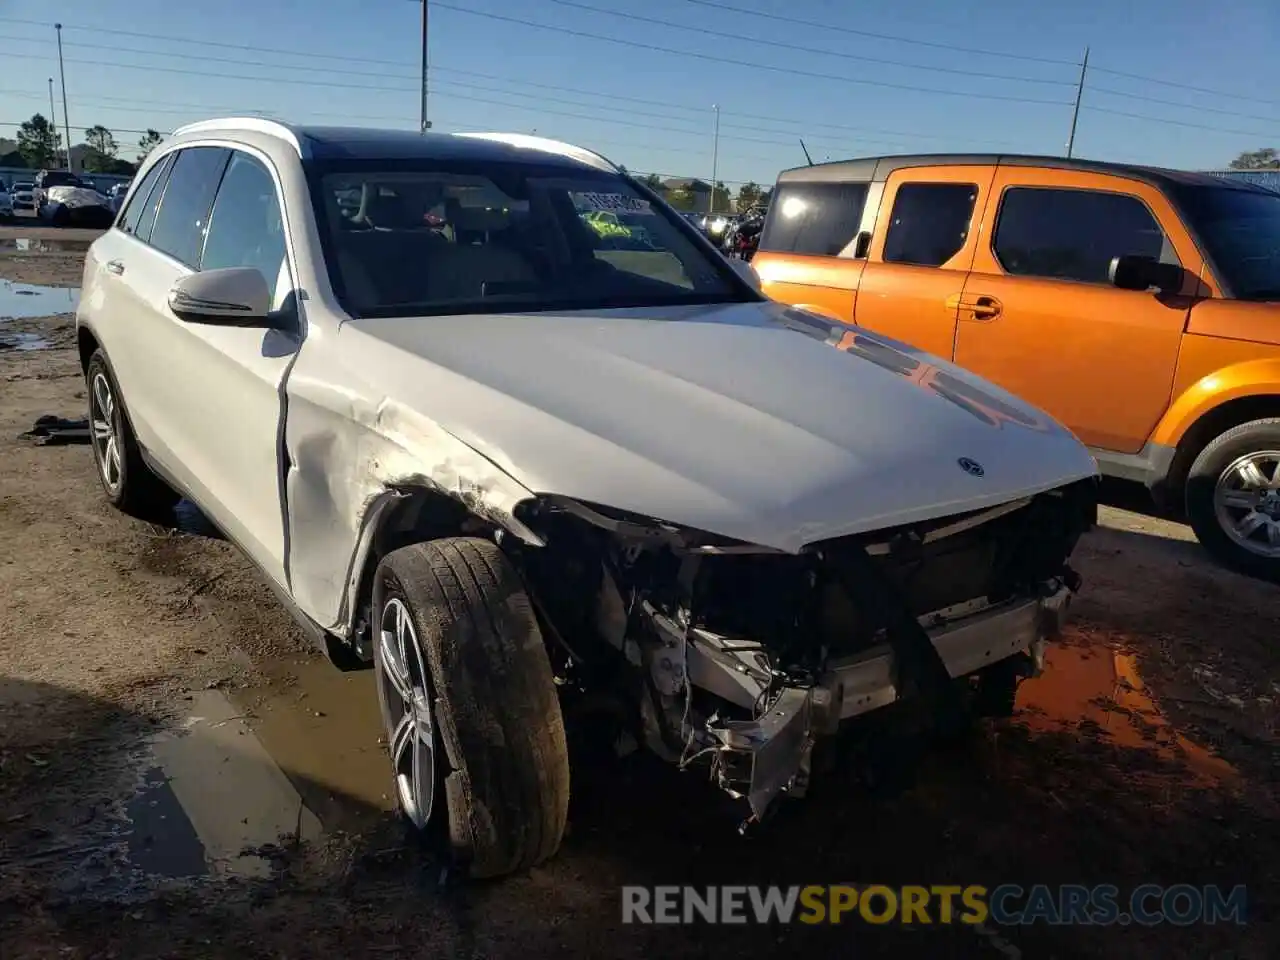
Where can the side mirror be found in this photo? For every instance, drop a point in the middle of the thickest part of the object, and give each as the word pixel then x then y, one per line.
pixel 861 245
pixel 229 297
pixel 747 272
pixel 1144 273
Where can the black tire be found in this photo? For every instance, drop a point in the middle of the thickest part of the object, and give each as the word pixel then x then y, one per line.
pixel 1253 437
pixel 497 713
pixel 137 491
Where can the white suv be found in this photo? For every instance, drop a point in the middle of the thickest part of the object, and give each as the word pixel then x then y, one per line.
pixel 520 470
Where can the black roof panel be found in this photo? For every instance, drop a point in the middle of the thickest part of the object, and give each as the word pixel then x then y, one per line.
pixel 874 169
pixel 369 143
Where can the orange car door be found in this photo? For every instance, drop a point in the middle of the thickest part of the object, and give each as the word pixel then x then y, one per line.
pixel 807 252
pixel 921 251
pixel 1040 317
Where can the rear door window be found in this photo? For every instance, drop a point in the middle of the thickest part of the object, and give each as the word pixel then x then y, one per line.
pixel 1074 234
pixel 183 216
pixel 819 219
pixel 930 222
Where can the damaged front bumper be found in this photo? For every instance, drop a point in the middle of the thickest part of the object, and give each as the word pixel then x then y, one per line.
pixel 766 757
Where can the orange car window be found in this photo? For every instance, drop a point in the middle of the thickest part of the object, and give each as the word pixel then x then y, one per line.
pixel 817 219
pixel 1072 234
pixel 929 223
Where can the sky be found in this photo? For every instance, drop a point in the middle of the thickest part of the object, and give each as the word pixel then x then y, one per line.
pixel 1169 82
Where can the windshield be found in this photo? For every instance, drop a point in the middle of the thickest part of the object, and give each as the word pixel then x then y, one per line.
pixel 1241 232
pixel 406 238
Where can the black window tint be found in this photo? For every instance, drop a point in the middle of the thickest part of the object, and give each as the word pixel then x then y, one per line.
pixel 245 228
pixel 1074 234
pixel 131 214
pixel 930 222
pixel 814 218
pixel 184 211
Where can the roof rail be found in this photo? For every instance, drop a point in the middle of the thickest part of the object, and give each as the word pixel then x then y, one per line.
pixel 273 128
pixel 529 142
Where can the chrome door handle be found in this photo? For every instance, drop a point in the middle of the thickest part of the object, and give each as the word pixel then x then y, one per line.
pixel 115 266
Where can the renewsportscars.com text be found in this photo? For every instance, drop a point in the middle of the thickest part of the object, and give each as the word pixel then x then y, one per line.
pixel 1005 905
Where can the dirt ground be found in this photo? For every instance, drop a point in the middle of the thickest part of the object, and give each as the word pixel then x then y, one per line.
pixel 1148 753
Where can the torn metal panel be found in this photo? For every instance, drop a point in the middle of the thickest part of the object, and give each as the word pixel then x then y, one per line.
pixel 350 456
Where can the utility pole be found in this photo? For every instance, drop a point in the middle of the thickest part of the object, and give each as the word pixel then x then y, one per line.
pixel 62 80
pixel 53 119
pixel 425 123
pixel 1075 113
pixel 715 155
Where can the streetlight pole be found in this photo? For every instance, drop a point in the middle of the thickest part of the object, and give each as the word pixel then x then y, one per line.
pixel 53 120
pixel 425 123
pixel 715 155
pixel 62 80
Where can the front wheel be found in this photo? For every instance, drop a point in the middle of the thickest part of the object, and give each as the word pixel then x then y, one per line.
pixel 469 704
pixel 1233 498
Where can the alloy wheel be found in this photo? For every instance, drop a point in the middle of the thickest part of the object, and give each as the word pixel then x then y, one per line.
pixel 1246 501
pixel 104 425
pixel 404 693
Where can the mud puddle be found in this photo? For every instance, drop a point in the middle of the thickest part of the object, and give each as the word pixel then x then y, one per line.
pixel 35 245
pixel 23 341
pixel 19 301
pixel 323 728
pixel 1099 691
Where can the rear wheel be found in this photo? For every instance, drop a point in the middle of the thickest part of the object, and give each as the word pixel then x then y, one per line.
pixel 469 704
pixel 126 480
pixel 1233 498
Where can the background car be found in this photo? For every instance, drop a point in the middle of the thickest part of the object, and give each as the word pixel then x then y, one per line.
pixel 65 206
pixel 23 195
pixel 116 195
pixel 6 205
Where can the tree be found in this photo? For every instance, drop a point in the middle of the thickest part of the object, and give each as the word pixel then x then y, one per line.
pixel 682 198
pixel 102 149
pixel 652 181
pixel 720 198
pixel 748 196
pixel 1267 158
pixel 38 142
pixel 148 142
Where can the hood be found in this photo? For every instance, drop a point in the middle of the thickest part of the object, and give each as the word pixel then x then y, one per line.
pixel 753 421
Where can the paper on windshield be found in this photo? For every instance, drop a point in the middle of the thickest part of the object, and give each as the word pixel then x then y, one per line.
pixel 612 202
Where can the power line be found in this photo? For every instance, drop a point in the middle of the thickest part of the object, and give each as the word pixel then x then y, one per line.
pixel 829 28
pixel 810 49
pixel 667 128
pixel 860 131
pixel 825 27
pixel 828 77
pixel 1184 106
pixel 1184 86
pixel 1177 123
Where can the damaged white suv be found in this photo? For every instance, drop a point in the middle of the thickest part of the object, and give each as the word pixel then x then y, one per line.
pixel 530 469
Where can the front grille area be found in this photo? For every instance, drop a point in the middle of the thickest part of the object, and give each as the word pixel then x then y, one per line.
pixel 796 605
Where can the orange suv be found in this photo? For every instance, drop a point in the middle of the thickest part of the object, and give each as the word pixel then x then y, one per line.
pixel 1139 306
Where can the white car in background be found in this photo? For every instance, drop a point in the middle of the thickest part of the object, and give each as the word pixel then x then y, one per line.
pixel 23 196
pixel 523 473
